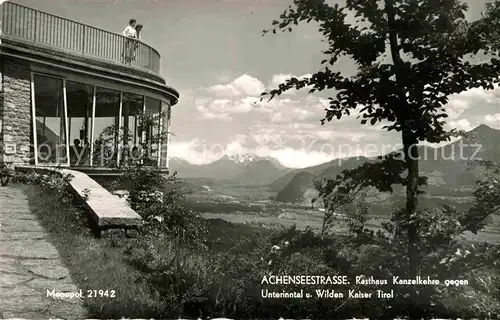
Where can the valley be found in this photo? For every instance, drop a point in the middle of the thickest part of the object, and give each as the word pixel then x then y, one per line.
pixel 250 205
pixel 259 191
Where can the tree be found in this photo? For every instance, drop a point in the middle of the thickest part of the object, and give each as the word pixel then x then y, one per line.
pixel 487 194
pixel 429 43
pixel 490 24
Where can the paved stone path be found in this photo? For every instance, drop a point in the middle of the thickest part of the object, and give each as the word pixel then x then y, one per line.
pixel 30 265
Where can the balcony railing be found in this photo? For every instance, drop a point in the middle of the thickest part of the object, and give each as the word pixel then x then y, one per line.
pixel 27 24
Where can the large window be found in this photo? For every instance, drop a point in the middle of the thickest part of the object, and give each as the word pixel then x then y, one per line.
pixel 132 109
pixel 106 128
pixel 165 131
pixel 80 124
pixel 79 98
pixel 50 123
pixel 152 130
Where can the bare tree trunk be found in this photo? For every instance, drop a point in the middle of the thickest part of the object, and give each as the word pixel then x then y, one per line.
pixel 410 148
pixel 410 152
pixel 323 227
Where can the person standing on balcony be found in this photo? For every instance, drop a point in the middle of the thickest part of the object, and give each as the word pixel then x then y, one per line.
pixel 138 29
pixel 130 33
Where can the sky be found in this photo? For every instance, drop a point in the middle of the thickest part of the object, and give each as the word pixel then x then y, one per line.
pixel 214 54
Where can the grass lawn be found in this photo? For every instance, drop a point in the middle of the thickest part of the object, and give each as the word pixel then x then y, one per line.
pixel 100 264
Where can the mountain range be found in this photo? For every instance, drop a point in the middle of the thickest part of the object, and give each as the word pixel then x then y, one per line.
pixel 447 168
pixel 450 169
pixel 244 169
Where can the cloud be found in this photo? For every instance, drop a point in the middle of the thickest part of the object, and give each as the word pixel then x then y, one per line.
pixel 243 85
pixel 278 118
pixel 475 97
pixel 283 126
pixel 224 108
pixel 294 158
pixel 278 79
pixel 352 135
pixel 277 104
pixel 462 124
pixel 197 151
pixel 493 120
pixel 281 78
pixel 243 95
pixel 188 150
pixel 207 114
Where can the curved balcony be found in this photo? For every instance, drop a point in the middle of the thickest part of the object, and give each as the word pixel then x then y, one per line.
pixel 32 27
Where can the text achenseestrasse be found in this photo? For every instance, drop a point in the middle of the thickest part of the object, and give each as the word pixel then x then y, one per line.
pixel 305 280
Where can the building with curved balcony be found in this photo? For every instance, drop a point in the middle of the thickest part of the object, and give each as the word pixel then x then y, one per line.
pixel 71 97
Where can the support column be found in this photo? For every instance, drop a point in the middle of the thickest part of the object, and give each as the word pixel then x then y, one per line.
pixel 165 133
pixel 66 127
pixel 92 129
pixel 126 126
pixel 33 120
pixel 118 138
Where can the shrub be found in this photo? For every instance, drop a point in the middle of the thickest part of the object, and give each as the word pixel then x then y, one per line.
pixel 156 197
pixel 54 182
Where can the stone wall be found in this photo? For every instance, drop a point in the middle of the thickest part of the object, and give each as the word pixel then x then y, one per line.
pixel 1 112
pixel 15 111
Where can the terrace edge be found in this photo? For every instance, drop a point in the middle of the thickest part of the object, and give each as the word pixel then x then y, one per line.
pixel 60 59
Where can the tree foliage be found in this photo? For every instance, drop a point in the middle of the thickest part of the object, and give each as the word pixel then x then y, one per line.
pixel 489 26
pixel 428 61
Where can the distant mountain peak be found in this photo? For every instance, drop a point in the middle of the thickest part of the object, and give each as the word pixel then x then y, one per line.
pixel 484 129
pixel 483 134
pixel 178 161
pixel 242 158
pixel 484 126
pixel 248 158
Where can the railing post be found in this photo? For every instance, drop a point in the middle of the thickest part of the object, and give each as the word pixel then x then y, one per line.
pixel 150 64
pixel 83 39
pixel 2 18
pixel 35 26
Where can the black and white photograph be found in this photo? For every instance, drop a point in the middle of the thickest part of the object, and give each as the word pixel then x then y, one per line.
pixel 249 159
